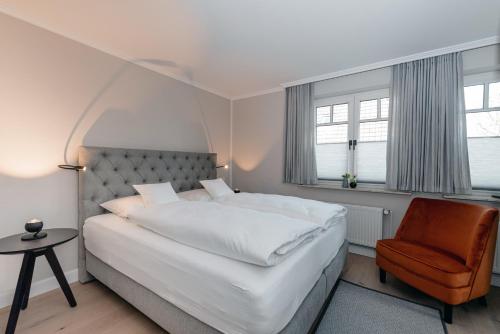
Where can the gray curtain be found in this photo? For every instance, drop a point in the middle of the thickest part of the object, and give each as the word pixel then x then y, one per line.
pixel 427 139
pixel 300 155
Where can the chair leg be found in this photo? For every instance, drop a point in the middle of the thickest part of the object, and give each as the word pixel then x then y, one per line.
pixel 448 313
pixel 382 275
pixel 482 301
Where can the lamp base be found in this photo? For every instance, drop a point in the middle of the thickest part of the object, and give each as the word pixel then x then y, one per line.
pixel 33 236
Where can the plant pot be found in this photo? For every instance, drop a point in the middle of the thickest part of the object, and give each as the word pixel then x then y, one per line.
pixel 345 183
pixel 353 185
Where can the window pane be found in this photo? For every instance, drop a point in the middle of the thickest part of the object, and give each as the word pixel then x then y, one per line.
pixel 384 107
pixel 340 112
pixel 331 160
pixel 323 115
pixel 373 131
pixel 474 97
pixel 483 124
pixel 494 95
pixel 331 134
pixel 368 109
pixel 371 161
pixel 484 161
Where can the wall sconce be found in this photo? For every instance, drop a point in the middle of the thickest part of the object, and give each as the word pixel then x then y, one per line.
pixel 225 166
pixel 73 167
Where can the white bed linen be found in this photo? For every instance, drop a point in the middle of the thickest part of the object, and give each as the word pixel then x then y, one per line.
pixel 321 213
pixel 229 295
pixel 251 236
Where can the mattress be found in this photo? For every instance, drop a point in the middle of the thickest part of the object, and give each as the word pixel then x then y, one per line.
pixel 229 295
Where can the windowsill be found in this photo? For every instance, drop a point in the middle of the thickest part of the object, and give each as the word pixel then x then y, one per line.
pixel 362 187
pixel 476 195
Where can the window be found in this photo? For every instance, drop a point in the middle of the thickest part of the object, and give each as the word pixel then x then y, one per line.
pixel 351 136
pixel 482 105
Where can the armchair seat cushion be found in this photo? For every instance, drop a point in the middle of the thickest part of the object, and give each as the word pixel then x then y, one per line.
pixel 426 262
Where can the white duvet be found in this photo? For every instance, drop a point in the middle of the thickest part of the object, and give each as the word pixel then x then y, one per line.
pixel 321 213
pixel 261 238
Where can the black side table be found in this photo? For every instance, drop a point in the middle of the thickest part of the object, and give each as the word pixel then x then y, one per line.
pixel 31 250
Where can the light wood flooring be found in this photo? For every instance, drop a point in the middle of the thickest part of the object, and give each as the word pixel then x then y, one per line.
pixel 99 310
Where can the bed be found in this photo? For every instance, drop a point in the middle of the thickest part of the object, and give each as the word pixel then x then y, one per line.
pixel 183 289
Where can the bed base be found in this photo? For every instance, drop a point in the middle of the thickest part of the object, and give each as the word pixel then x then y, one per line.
pixel 176 321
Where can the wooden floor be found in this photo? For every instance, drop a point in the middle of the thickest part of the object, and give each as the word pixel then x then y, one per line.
pixel 101 311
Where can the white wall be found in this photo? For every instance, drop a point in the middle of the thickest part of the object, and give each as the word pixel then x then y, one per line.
pixel 46 83
pixel 258 147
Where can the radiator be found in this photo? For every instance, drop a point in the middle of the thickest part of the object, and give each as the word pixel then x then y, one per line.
pixel 364 225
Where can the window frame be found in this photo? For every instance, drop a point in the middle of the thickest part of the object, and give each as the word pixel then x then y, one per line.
pixel 353 101
pixel 485 79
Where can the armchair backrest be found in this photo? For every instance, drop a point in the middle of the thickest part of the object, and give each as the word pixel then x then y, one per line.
pixel 458 228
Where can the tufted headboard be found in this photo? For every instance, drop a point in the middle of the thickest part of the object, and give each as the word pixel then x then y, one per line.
pixel 111 172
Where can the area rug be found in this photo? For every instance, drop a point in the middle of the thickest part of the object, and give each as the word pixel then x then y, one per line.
pixel 355 309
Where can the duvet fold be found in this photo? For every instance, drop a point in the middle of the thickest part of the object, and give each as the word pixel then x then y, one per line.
pixel 261 238
pixel 321 213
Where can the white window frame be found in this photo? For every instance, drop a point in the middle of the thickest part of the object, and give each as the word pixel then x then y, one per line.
pixel 484 78
pixel 360 97
pixel 353 120
pixel 331 101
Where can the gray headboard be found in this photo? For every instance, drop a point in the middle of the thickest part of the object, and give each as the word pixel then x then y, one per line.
pixel 111 172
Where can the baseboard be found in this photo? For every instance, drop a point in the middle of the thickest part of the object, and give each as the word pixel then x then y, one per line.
pixel 495 280
pixel 39 287
pixel 362 250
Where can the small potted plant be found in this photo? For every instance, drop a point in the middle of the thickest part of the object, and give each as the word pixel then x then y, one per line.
pixel 353 182
pixel 345 180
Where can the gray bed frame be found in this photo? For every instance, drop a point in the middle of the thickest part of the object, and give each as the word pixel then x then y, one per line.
pixel 110 173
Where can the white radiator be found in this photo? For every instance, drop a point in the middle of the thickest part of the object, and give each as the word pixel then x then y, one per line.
pixel 364 225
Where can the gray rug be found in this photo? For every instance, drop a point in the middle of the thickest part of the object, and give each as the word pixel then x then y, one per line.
pixel 355 309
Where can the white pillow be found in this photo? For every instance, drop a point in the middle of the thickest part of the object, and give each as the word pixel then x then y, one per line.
pixel 122 206
pixel 217 188
pixel 156 193
pixel 195 195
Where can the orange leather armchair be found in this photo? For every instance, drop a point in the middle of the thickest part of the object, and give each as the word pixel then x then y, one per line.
pixel 443 248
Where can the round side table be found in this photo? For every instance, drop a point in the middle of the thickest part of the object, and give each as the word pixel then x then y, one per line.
pixel 31 250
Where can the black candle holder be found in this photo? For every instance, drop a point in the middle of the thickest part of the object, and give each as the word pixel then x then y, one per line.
pixel 34 229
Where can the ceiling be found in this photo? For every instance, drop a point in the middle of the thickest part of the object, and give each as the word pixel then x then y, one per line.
pixel 237 47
